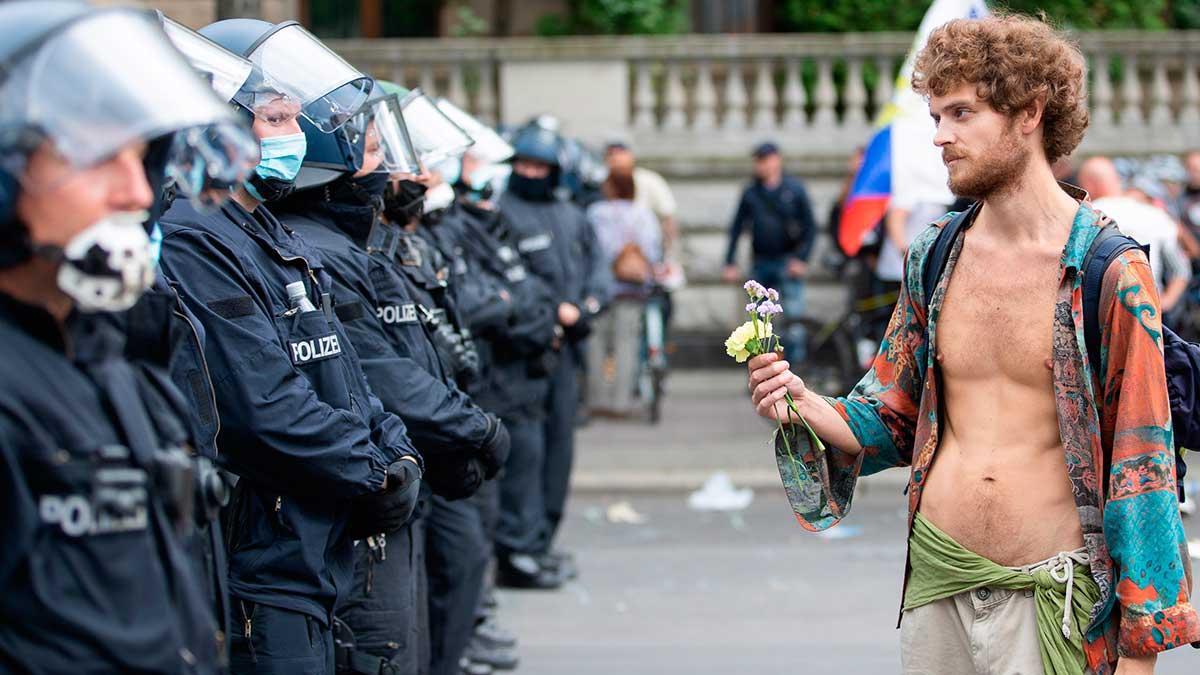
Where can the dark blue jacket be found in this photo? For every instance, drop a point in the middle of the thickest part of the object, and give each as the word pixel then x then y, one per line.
pixel 92 576
pixel 512 314
pixel 560 247
pixel 376 305
pixel 298 422
pixel 781 221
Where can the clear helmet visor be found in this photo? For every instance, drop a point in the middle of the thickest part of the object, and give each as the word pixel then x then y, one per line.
pixel 103 82
pixel 387 146
pixel 227 72
pixel 435 136
pixel 329 90
pixel 489 147
pixel 206 163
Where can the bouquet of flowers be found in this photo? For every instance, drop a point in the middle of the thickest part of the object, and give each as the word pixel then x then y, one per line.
pixel 756 337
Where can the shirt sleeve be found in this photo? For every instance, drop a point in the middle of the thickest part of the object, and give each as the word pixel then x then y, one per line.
pixel 735 228
pixel 881 411
pixel 662 201
pixel 1142 526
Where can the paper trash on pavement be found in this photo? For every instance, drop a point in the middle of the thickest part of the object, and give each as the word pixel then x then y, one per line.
pixel 719 494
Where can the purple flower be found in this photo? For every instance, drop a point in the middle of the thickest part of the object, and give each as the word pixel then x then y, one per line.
pixel 752 307
pixel 772 295
pixel 768 308
pixel 755 289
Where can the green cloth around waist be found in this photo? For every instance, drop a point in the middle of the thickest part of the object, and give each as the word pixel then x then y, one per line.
pixel 941 568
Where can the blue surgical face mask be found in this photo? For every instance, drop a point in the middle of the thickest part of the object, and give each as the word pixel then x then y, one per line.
pixel 156 238
pixel 282 156
pixel 275 175
pixel 450 169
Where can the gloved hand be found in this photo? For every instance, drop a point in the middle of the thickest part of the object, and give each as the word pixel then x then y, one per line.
pixel 493 453
pixel 450 346
pixel 455 477
pixel 579 330
pixel 389 509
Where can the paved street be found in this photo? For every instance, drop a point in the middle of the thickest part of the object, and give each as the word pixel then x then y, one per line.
pixel 693 593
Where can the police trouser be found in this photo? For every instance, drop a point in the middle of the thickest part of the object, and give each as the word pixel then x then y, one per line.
pixel 522 502
pixel 457 556
pixel 487 501
pixel 562 404
pixel 383 608
pixel 273 641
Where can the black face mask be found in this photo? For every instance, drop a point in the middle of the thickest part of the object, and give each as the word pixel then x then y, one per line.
pixel 403 202
pixel 271 189
pixel 533 189
pixel 364 191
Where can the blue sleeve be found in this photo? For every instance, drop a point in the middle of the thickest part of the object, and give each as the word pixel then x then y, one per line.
pixel 440 417
pixel 735 227
pixel 276 430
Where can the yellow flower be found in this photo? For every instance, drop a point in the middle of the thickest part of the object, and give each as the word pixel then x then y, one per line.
pixel 737 344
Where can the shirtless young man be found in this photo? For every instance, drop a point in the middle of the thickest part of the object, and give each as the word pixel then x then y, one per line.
pixel 1044 535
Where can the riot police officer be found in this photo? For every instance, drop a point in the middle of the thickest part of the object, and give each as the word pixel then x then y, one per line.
pixel 320 462
pixel 338 214
pixel 98 488
pixel 560 246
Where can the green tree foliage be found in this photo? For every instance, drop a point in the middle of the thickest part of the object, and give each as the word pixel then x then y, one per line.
pixel 616 17
pixel 819 16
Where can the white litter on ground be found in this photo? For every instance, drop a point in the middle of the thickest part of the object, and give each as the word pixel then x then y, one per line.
pixel 623 512
pixel 719 494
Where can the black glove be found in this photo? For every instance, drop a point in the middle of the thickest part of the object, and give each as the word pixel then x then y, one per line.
pixel 579 330
pixel 454 477
pixel 496 445
pixel 388 510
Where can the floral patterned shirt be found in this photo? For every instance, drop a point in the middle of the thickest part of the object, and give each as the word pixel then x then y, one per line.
pixel 1127 507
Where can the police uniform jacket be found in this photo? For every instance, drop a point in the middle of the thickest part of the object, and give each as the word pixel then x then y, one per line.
pixel 376 305
pixel 298 421
pixel 92 576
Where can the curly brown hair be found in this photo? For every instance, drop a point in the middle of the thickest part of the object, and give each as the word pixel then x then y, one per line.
pixel 1013 61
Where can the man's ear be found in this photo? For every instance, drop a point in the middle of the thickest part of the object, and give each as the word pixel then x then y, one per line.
pixel 1031 116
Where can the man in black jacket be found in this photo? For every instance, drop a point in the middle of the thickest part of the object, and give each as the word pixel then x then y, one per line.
pixel 320 460
pixel 779 214
pixel 97 488
pixel 461 444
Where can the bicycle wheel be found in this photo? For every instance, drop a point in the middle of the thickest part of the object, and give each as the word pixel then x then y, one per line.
pixel 830 365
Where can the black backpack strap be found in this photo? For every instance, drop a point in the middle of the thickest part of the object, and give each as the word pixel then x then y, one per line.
pixel 935 262
pixel 1108 245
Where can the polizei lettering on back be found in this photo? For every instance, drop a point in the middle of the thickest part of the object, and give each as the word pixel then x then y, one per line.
pixel 313 349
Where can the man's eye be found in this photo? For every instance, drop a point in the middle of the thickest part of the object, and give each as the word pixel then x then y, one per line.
pixel 961 112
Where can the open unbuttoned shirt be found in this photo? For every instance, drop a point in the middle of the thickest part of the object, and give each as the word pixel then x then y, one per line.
pixel 1127 508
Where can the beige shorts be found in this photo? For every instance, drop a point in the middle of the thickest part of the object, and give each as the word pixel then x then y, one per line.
pixel 986 631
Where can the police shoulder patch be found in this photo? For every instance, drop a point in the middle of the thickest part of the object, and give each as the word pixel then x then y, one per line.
pixel 533 244
pixel 397 313
pixel 313 349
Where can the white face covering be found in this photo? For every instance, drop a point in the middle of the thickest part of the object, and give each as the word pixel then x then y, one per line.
pixel 108 266
pixel 439 198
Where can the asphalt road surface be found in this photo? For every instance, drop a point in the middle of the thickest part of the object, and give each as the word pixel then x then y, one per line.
pixel 747 593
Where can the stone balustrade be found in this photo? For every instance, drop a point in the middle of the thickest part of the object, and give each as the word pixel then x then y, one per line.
pixel 701 96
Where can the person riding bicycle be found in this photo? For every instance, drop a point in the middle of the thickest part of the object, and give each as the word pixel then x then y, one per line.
pixel 631 242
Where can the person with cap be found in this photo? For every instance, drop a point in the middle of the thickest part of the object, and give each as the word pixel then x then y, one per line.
pixel 561 247
pixel 776 209
pixel 338 212
pixel 320 462
pixel 100 493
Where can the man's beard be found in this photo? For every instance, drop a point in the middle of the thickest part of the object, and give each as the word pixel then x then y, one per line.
pixel 994 170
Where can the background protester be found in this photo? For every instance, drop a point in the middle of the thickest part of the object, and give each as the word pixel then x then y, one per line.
pixel 631 242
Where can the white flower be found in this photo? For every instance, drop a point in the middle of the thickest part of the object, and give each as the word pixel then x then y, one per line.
pixel 738 345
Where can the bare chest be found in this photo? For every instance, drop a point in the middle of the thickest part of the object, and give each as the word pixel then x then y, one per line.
pixel 997 319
